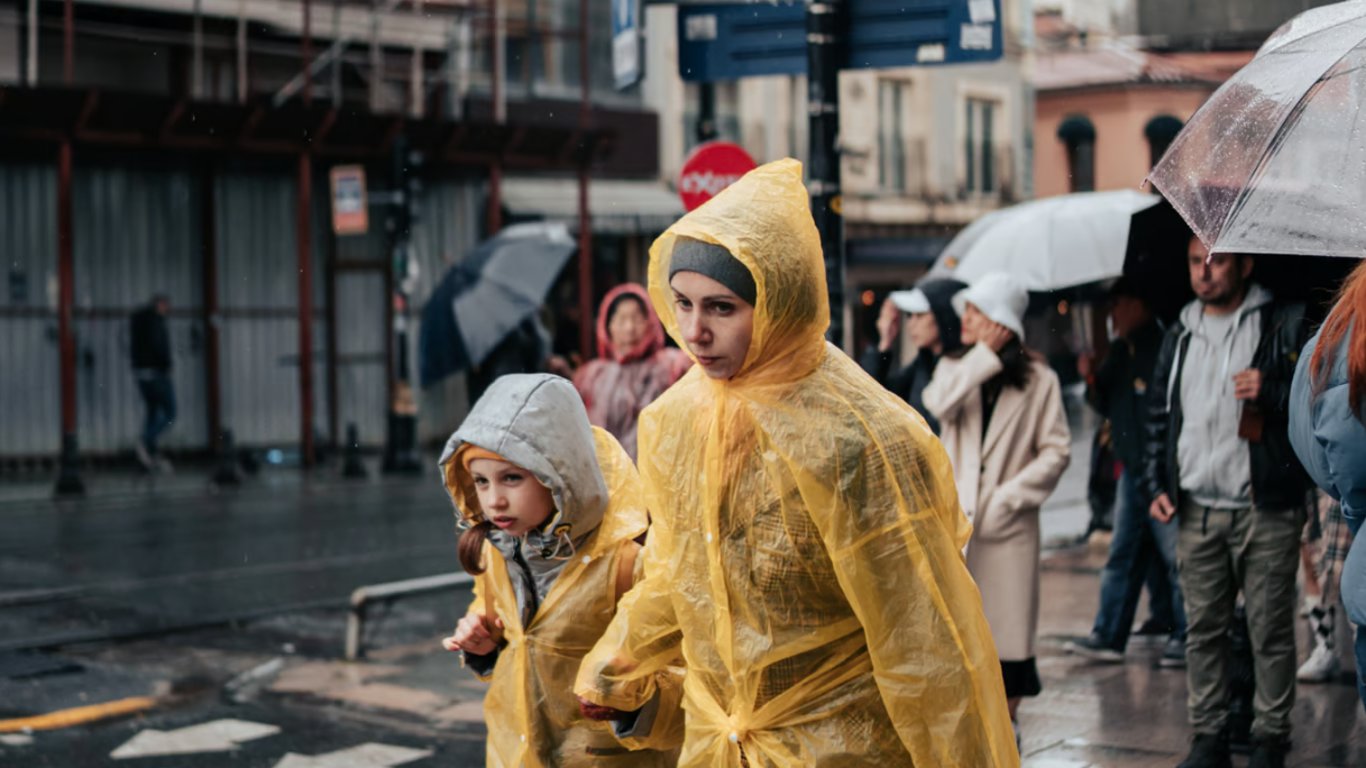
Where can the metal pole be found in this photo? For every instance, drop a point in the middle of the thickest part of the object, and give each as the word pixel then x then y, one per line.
pixel 500 56
pixel 31 69
pixel 305 242
pixel 68 478
pixel 242 85
pixel 68 42
pixel 333 391
pixel 376 59
pixel 825 36
pixel 306 52
pixel 336 69
pixel 586 325
pixel 416 101
pixel 197 68
pixel 495 204
pixel 209 264
pixel 706 112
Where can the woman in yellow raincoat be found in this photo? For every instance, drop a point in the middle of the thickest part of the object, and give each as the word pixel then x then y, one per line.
pixel 551 508
pixel 806 548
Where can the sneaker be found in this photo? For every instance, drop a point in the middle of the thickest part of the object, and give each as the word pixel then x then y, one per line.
pixel 1308 603
pixel 1093 648
pixel 1152 632
pixel 1269 753
pixel 1320 667
pixel 144 457
pixel 1208 750
pixel 1173 654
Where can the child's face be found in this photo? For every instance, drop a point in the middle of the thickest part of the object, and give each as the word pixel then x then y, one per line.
pixel 511 497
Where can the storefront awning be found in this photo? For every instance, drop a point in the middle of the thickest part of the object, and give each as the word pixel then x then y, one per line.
pixel 617 206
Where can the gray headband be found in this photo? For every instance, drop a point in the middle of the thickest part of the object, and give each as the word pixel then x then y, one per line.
pixel 715 262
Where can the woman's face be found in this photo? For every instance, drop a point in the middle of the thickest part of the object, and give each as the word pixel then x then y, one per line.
pixel 924 331
pixel 511 497
pixel 716 324
pixel 627 325
pixel 973 320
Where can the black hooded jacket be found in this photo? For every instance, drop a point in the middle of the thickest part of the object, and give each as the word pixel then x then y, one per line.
pixel 909 383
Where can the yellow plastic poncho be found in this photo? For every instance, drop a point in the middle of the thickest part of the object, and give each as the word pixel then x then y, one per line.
pixel 806 545
pixel 532 716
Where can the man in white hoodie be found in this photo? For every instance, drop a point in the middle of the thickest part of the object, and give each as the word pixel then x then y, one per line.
pixel 1218 458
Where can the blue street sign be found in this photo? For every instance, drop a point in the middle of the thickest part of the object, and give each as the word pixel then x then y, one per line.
pixel 731 41
pixel 625 42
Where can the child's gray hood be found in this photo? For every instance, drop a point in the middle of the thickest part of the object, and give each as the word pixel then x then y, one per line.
pixel 538 422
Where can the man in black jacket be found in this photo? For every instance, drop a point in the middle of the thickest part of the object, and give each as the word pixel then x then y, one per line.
pixel 1218 458
pixel 151 357
pixel 1142 549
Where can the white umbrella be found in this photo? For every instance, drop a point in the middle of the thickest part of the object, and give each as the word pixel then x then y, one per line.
pixel 1049 244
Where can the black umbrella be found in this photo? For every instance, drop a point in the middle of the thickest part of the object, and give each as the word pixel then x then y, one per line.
pixel 1155 261
pixel 485 297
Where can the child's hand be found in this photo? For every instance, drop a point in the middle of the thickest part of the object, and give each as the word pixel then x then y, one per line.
pixel 597 712
pixel 475 634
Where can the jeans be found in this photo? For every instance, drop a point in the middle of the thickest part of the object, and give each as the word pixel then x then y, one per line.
pixel 158 395
pixel 1140 545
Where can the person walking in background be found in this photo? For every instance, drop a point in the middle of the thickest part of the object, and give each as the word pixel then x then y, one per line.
pixel 150 350
pixel 1218 460
pixel 933 327
pixel 1001 413
pixel 633 366
pixel 1118 388
pixel 1328 432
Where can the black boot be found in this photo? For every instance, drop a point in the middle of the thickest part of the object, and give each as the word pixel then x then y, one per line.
pixel 1209 750
pixel 1269 752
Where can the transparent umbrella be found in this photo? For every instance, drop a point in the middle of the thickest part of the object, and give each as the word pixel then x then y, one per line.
pixel 1275 161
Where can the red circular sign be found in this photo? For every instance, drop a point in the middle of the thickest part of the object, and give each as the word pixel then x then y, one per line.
pixel 711 168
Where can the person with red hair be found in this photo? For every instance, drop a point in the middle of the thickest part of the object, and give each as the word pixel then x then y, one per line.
pixel 1328 432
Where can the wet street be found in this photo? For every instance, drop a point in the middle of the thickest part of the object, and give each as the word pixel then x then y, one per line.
pixel 217 619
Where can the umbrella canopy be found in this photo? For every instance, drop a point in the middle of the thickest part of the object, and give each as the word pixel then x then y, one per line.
pixel 1049 244
pixel 485 297
pixel 1275 161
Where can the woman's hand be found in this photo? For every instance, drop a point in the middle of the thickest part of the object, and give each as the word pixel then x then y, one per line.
pixel 475 634
pixel 995 336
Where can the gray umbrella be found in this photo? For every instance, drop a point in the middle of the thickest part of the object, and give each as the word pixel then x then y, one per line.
pixel 512 283
pixel 484 298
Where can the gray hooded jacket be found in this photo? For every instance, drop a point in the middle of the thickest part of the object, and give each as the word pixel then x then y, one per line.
pixel 538 422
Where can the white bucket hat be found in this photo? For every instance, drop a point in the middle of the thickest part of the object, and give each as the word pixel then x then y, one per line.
pixel 912 302
pixel 999 297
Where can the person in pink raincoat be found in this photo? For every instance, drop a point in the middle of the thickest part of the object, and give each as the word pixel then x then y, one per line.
pixel 633 366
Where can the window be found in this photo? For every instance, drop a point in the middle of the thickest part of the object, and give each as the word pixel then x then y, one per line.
pixel 1161 132
pixel 892 99
pixel 979 150
pixel 1079 135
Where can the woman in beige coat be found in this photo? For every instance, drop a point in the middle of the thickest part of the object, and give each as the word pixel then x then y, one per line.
pixel 1003 425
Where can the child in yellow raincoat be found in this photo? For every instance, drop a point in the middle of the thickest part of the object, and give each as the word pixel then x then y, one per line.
pixel 806 547
pixel 551 509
